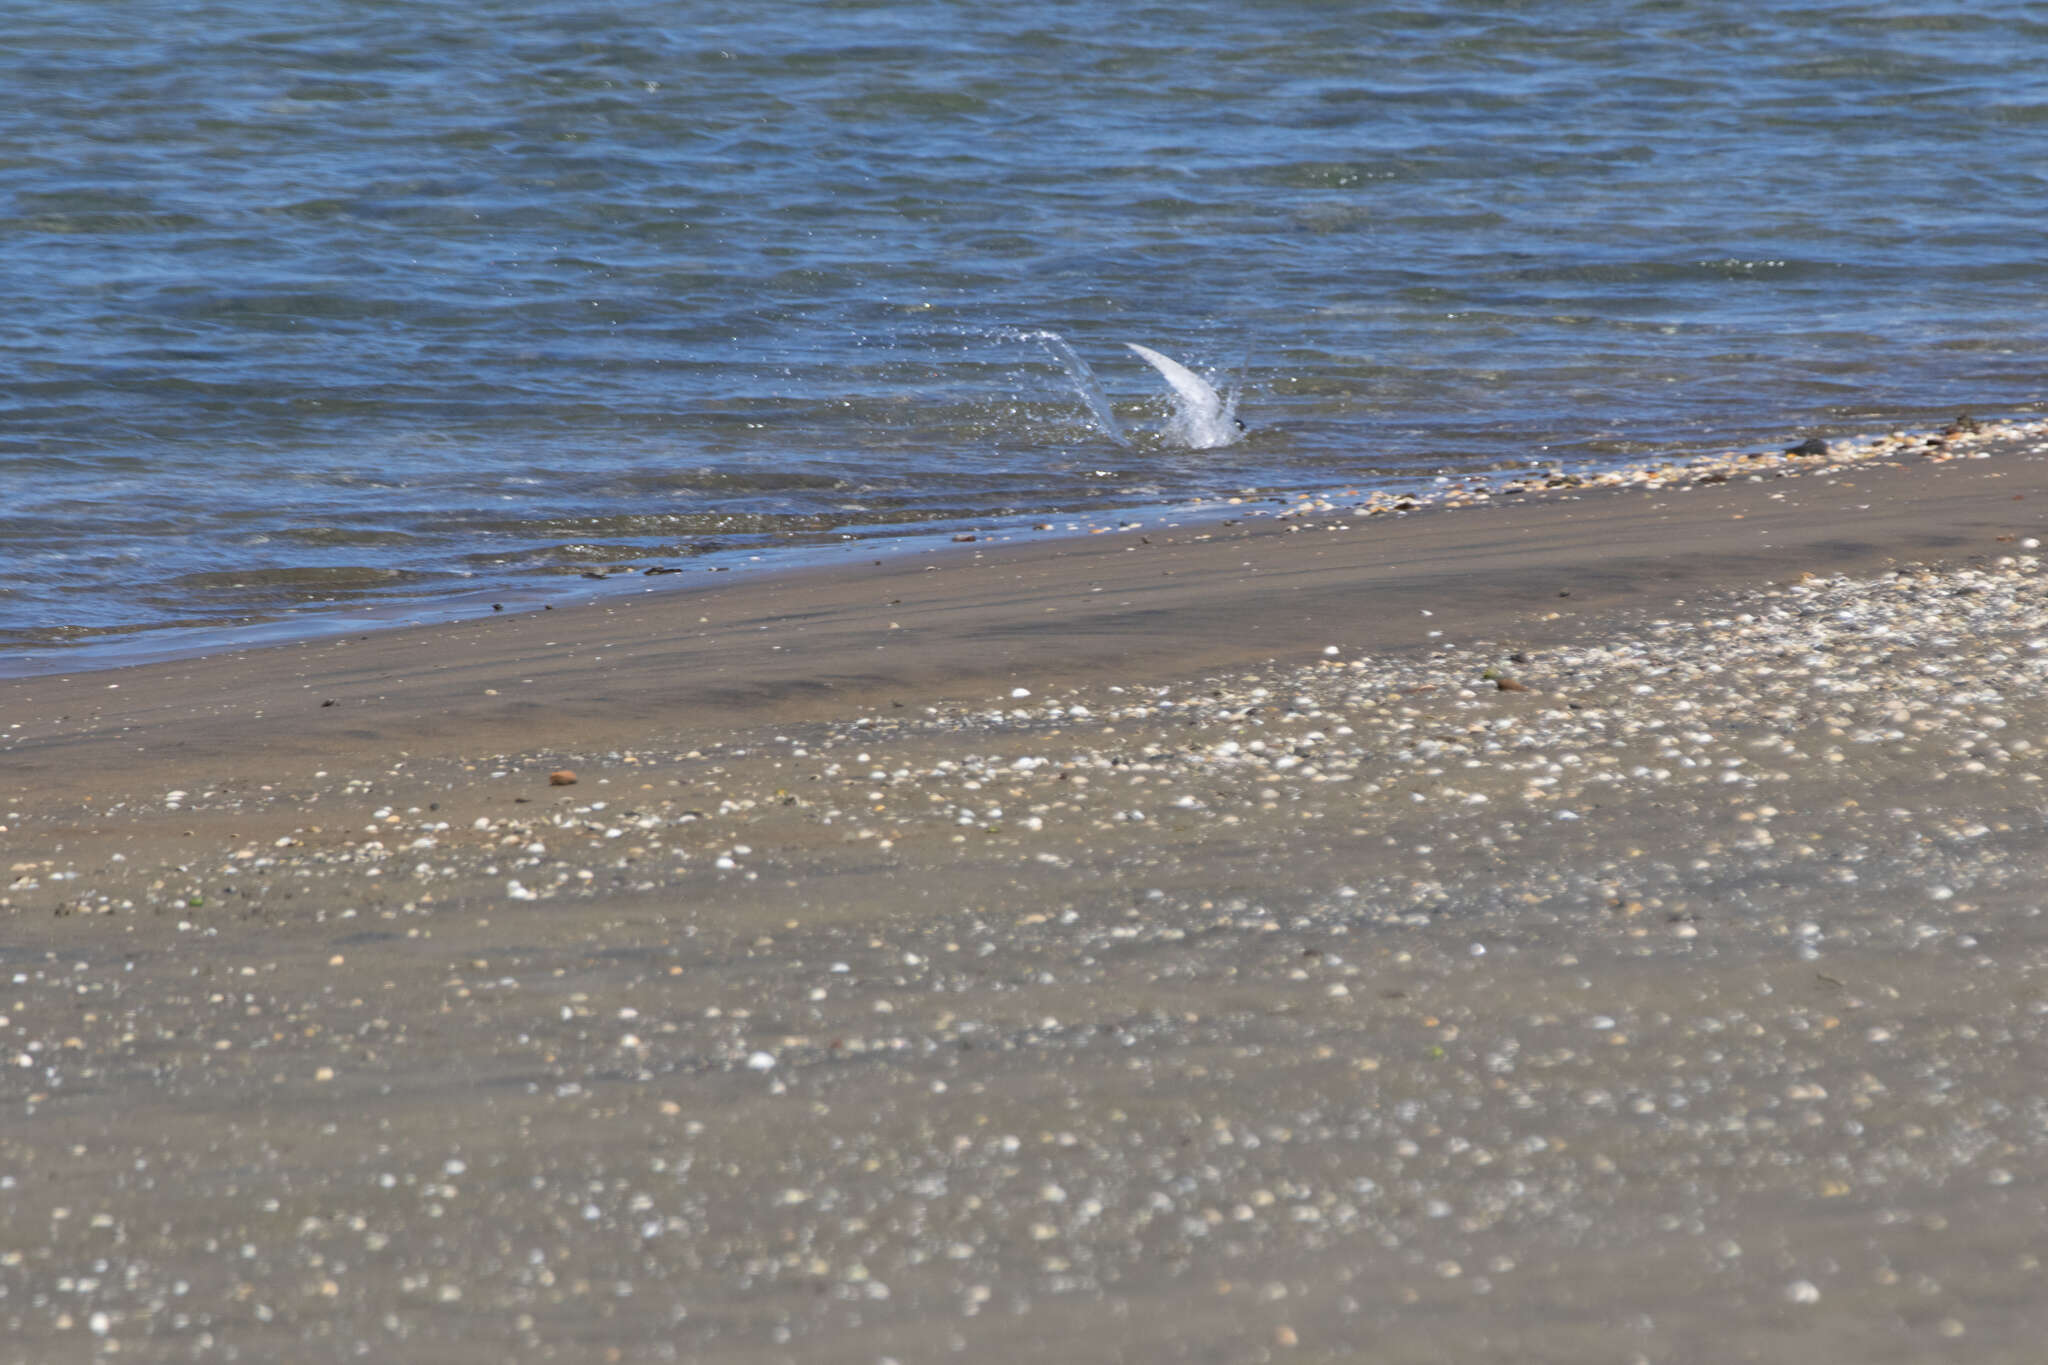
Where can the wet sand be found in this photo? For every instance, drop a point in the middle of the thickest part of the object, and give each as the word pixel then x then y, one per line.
pixel 1589 924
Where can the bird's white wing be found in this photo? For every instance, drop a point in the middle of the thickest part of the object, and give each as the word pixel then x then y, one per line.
pixel 1194 389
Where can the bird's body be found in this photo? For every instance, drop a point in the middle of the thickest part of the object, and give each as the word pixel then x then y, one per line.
pixel 1203 419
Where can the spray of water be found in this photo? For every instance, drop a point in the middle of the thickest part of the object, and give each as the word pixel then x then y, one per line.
pixel 1202 419
pixel 1085 382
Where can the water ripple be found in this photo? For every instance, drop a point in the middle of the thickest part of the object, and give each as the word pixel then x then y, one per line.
pixel 400 299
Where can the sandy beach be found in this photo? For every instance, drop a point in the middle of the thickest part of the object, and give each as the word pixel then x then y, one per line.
pixel 1566 922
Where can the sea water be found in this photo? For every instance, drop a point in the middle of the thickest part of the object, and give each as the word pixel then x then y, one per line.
pixel 320 313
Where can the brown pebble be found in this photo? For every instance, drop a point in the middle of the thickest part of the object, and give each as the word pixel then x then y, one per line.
pixel 1509 685
pixel 561 777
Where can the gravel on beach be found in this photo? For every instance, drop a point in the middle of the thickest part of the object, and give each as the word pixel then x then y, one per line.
pixel 1664 991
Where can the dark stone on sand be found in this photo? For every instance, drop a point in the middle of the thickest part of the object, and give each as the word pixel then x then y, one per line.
pixel 1812 446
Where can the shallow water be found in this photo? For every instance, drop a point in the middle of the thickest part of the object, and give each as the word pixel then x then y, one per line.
pixel 416 306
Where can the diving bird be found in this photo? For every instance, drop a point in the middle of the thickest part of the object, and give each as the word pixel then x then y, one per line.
pixel 1203 419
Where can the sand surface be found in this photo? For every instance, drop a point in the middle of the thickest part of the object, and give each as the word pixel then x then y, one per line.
pixel 1601 924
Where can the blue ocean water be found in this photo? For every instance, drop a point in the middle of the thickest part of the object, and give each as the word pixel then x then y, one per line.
pixel 314 308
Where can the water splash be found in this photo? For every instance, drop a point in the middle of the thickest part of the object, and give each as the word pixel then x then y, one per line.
pixel 1202 419
pixel 1085 382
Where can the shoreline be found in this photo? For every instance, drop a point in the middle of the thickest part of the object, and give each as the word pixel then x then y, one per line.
pixel 1422 492
pixel 1544 931
pixel 959 616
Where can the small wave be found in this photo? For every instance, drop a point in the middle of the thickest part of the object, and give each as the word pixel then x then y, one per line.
pixel 318 579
